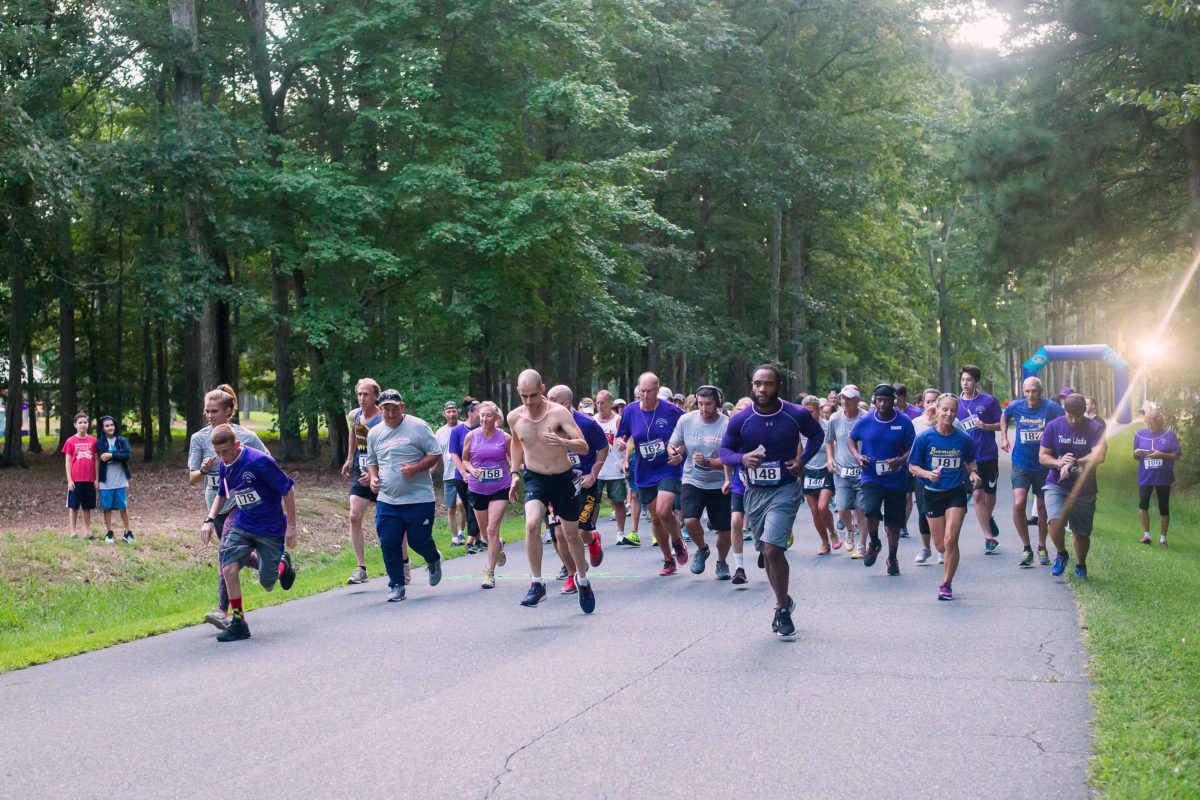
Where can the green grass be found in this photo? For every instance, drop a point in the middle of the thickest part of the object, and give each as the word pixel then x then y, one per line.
pixel 1139 607
pixel 157 592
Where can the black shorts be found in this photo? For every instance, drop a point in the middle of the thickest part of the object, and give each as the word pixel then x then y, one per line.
pixel 936 503
pixel 714 501
pixel 737 503
pixel 989 473
pixel 1164 499
pixel 816 481
pixel 82 496
pixel 358 490
pixel 589 507
pixel 891 505
pixel 480 502
pixel 648 494
pixel 556 491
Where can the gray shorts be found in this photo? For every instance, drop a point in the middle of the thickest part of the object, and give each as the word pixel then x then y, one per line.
pixel 848 493
pixel 771 512
pixel 237 544
pixel 1029 479
pixel 1077 511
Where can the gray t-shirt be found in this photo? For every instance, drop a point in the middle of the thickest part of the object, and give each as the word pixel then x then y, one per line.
pixel 700 437
pixel 391 448
pixel 817 462
pixel 838 432
pixel 449 473
pixel 200 447
pixel 114 475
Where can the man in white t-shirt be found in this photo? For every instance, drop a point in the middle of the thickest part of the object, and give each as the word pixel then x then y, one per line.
pixel 456 510
pixel 611 479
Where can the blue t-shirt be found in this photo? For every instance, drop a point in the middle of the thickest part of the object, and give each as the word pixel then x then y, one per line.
pixel 778 433
pixel 257 486
pixel 458 435
pixel 596 440
pixel 980 408
pixel 952 453
pixel 1031 423
pixel 651 431
pixel 880 440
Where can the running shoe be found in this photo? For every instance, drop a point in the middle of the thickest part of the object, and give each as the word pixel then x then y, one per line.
pixel 630 540
pixel 407 572
pixel 824 550
pixel 435 571
pixel 893 566
pixel 841 526
pixel 995 529
pixel 237 630
pixel 395 594
pixel 668 568
pixel 990 545
pixel 857 552
pixel 562 573
pixel 1162 540
pixel 128 537
pixel 546 538
pixel 569 587
pixel 358 576
pixel 1081 571
pixel 502 559
pixel 681 552
pixel 922 556
pixel 1043 556
pixel 595 551
pixel 739 576
pixel 944 593
pixel 1031 521
pixel 217 619
pixel 1026 558
pixel 747 536
pixel 288 576
pixel 687 537
pixel 722 570
pixel 791 539
pixel 109 538
pixel 457 540
pixel 837 541
pixel 1145 539
pixel 904 533
pixel 872 553
pixel 762 560
pixel 587 598
pixel 1060 563
pixel 700 560
pixel 471 548
pixel 783 623
pixel 612 517
pixel 941 559
pixel 489 580
pixel 535 595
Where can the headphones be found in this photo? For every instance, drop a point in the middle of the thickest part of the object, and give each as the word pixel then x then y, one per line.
pixel 720 395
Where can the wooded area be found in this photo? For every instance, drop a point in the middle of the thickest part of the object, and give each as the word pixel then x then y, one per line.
pixel 286 196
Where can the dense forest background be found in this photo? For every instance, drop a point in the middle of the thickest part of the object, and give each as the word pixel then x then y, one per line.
pixel 286 196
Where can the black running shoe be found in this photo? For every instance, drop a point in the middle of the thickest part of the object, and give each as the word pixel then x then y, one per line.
pixel 872 553
pixel 288 576
pixel 739 576
pixel 893 567
pixel 587 598
pixel 238 629
pixel 762 560
pixel 783 622
pixel 535 595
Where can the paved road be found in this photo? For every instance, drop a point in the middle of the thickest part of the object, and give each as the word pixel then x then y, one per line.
pixel 675 687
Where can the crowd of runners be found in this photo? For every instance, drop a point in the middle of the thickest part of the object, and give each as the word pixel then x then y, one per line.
pixel 701 468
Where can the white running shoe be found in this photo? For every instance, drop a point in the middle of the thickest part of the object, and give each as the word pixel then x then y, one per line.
pixel 358 576
pixel 922 555
pixel 941 558
pixel 217 619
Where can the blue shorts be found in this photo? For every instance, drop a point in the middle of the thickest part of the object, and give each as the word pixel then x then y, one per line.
pixel 113 499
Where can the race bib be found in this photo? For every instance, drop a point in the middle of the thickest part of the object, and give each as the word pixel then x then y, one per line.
pixel 814 483
pixel 574 457
pixel 883 468
pixel 652 449
pixel 362 462
pixel 850 472
pixel 945 462
pixel 1031 436
pixel 246 499
pixel 491 475
pixel 577 479
pixel 1152 463
pixel 212 481
pixel 769 473
pixel 970 423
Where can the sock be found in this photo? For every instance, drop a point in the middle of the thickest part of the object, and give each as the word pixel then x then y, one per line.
pixel 235 603
pixel 738 561
pixel 581 580
pixel 540 580
pixel 363 567
pixel 1146 534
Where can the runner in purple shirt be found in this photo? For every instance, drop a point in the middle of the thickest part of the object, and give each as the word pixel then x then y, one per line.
pixel 980 416
pixel 1072 447
pixel 485 457
pixel 1156 449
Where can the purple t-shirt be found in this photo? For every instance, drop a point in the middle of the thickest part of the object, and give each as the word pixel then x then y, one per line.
pixel 257 486
pixel 490 456
pixel 912 412
pixel 1156 471
pixel 1060 438
pixel 596 440
pixel 651 431
pixel 980 408
pixel 458 434
pixel 778 433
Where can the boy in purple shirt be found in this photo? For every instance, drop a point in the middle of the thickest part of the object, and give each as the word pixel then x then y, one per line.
pixel 1072 447
pixel 980 416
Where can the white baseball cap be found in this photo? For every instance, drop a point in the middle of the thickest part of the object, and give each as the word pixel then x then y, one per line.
pixel 850 390
pixel 665 394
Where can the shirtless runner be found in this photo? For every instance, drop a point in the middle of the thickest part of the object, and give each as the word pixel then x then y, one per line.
pixel 543 434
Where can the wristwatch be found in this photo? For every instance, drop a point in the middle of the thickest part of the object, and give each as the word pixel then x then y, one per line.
pixel 208 520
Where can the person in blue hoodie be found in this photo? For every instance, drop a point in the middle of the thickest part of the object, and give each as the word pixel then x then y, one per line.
pixel 113 452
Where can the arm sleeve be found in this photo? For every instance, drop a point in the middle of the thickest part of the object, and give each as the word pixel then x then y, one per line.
pixel 731 444
pixel 677 434
pixel 456 440
pixel 994 409
pixel 916 454
pixel 122 450
pixel 221 479
pixel 596 438
pixel 430 442
pixel 69 445
pixel 372 453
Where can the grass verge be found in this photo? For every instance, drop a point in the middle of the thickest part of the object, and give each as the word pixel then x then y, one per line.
pixel 1138 606
pixel 157 593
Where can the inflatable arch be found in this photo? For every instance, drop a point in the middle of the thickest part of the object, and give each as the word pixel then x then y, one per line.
pixel 1088 352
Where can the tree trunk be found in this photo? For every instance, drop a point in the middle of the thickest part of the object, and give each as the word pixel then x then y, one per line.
pixel 290 445
pixel 776 273
pixel 1191 141
pixel 68 392
pixel 164 396
pixel 147 383
pixel 326 391
pixel 14 455
pixel 798 318
pixel 737 380
pixel 35 445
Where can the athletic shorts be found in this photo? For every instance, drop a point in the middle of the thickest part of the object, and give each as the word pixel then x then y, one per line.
pixel 480 502
pixel 1164 499
pixel 238 544
pixel 449 493
pixel 848 492
pixel 616 489
pixel 113 499
pixel 646 494
pixel 1033 479
pixel 557 491
pixel 1077 512
pixel 817 481
pixel 737 503
pixel 989 473
pixel 358 490
pixel 82 496
pixel 771 512
pixel 920 502
pixel 589 507
pixel 891 505
pixel 714 501
pixel 936 503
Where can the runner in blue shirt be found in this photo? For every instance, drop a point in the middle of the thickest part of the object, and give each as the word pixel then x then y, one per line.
pixel 260 490
pixel 648 426
pixel 880 443
pixel 765 440
pixel 980 416
pixel 1030 416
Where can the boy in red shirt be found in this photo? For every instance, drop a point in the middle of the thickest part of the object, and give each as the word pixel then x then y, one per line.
pixel 82 475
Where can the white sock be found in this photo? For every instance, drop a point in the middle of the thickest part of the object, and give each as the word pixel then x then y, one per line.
pixel 738 561
pixel 1146 534
pixel 540 579
pixel 581 580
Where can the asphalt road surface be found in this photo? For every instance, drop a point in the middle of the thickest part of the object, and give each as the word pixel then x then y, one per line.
pixel 674 687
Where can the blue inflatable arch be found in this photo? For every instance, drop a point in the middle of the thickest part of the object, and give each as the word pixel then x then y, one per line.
pixel 1088 352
